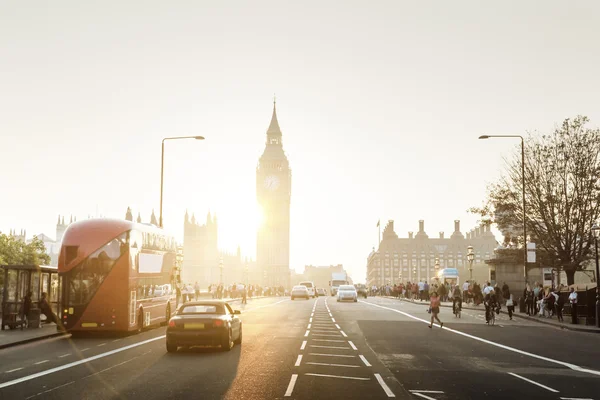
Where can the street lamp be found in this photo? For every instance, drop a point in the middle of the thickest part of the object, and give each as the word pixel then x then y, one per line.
pixel 523 193
pixel 470 257
pixel 596 233
pixel 221 269
pixel 162 167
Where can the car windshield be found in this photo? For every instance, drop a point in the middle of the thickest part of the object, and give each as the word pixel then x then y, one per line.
pixel 202 309
pixel 300 288
pixel 307 284
pixel 345 288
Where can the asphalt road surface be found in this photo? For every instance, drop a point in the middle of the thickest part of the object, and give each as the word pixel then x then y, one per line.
pixel 319 349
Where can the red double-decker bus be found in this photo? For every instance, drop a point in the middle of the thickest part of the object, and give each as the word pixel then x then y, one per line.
pixel 116 275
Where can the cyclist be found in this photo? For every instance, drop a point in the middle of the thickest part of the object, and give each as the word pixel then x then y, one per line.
pixel 491 304
pixel 456 300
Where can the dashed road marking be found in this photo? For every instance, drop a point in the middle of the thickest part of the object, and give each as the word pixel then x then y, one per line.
pixel 385 387
pixel 308 327
pixel 343 334
pixel 330 347
pixel 13 370
pixel 334 365
pixel 339 377
pixel 303 345
pixel 331 355
pixel 64 355
pixel 101 344
pixel 337 326
pixel 86 349
pixel 306 333
pixel 352 345
pixel 41 362
pixel 329 340
pixel 298 360
pixel 533 382
pixel 365 360
pixel 423 396
pixel 290 388
pixel 333 319
pixel 323 334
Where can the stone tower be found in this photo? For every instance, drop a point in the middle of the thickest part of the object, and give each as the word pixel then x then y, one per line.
pixel 273 193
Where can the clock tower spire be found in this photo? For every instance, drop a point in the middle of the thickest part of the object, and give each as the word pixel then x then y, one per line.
pixel 273 194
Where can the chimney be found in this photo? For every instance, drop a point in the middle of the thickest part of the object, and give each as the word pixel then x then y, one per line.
pixel 410 235
pixel 456 225
pixel 468 235
pixel 441 235
pixel 421 226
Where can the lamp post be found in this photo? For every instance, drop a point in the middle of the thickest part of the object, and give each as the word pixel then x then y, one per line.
pixel 221 269
pixel 596 233
pixel 437 268
pixel 470 258
pixel 522 193
pixel 162 168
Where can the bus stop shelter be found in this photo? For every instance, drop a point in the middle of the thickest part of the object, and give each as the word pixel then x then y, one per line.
pixel 17 281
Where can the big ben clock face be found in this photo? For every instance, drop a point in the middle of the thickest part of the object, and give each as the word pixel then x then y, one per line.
pixel 271 182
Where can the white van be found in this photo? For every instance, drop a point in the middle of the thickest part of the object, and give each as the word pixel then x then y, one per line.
pixel 310 286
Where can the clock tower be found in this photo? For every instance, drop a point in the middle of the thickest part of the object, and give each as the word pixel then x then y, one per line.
pixel 273 193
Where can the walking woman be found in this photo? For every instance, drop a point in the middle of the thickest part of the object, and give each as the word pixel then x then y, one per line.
pixel 434 305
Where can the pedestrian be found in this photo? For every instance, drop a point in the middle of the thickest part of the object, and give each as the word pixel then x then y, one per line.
pixel 529 299
pixel 244 295
pixel 510 306
pixel 573 301
pixel 434 306
pixel 46 309
pixel 26 307
pixel 558 305
pixel 196 290
pixel 465 290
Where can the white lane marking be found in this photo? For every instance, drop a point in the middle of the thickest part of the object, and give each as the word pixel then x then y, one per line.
pixel 322 334
pixel 86 349
pixel 423 396
pixel 116 340
pixel 303 345
pixel 340 377
pixel 101 344
pixel 323 330
pixel 426 391
pixel 330 347
pixel 334 365
pixel 75 363
pixel 352 345
pixel 291 385
pixel 312 314
pixel 308 327
pixel 533 382
pixel 343 334
pixel 502 346
pixel 333 319
pixel 364 360
pixel 385 387
pixel 337 326
pixel 64 355
pixel 575 398
pixel 41 362
pixel 49 390
pixel 306 333
pixel 331 355
pixel 328 340
pixel 330 315
pixel 310 320
pixel 298 360
pixel 13 370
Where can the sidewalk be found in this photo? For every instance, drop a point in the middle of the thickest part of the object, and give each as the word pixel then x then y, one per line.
pixel 541 320
pixel 14 337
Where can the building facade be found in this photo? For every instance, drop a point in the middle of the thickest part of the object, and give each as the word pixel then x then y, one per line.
pixel 321 275
pixel 273 193
pixel 413 259
pixel 200 251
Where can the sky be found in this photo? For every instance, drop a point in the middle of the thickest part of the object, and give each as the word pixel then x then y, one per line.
pixel 380 105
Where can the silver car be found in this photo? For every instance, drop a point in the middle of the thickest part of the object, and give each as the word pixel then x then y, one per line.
pixel 300 291
pixel 347 292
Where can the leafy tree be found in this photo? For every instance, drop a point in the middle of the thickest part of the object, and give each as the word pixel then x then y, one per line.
pixel 16 252
pixel 562 192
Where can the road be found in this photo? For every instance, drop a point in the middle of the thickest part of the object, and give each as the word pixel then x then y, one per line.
pixel 319 349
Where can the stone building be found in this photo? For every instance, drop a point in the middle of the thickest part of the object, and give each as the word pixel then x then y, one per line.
pixel 413 258
pixel 200 251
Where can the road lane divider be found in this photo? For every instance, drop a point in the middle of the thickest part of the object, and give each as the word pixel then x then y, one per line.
pixel 502 346
pixel 364 360
pixel 330 347
pixel 333 365
pixel 343 334
pixel 306 333
pixel 13 370
pixel 352 345
pixel 290 388
pixel 533 382
pixel 64 355
pixel 76 363
pixel 338 376
pixel 308 327
pixel 384 386
pixel 303 345
pixel 328 340
pixel 41 362
pixel 331 355
pixel 298 360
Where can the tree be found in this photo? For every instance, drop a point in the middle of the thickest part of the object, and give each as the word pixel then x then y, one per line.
pixel 562 193
pixel 16 252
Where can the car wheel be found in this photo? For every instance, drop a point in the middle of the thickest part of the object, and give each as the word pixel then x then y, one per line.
pixel 239 339
pixel 227 343
pixel 171 348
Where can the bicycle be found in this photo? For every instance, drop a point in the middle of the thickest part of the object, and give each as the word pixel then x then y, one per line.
pixel 491 314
